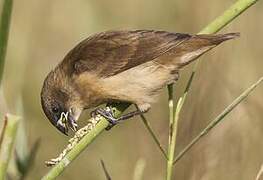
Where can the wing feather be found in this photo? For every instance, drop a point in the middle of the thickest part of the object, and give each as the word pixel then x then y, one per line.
pixel 113 52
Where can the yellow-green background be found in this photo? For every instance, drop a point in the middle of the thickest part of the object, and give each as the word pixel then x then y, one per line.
pixel 42 32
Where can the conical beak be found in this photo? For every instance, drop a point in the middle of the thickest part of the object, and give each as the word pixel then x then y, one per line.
pixel 62 123
pixel 65 122
pixel 72 123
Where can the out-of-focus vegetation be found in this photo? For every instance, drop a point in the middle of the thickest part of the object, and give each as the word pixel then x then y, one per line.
pixel 42 32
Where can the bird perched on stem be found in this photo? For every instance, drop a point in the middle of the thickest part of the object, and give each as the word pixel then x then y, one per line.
pixel 119 66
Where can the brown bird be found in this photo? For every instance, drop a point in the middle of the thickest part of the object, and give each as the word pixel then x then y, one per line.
pixel 119 66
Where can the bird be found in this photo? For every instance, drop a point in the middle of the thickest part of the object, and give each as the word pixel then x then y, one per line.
pixel 119 66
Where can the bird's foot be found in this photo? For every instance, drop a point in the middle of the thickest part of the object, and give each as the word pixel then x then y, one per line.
pixel 107 113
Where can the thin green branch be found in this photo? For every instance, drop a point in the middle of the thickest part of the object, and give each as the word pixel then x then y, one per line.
pixel 4 31
pixel 3 131
pixel 218 119
pixel 107 174
pixel 156 140
pixel 7 143
pixel 222 21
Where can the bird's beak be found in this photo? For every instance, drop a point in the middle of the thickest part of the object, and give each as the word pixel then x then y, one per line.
pixel 72 123
pixel 62 123
pixel 65 122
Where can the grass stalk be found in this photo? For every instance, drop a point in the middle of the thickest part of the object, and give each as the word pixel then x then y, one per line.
pixel 58 169
pixel 172 142
pixel 229 15
pixel 9 137
pixel 139 169
pixel 4 31
pixel 219 23
pixel 3 131
pixel 218 119
pixel 260 172
pixel 107 174
pixel 83 143
pixel 171 112
pixel 156 140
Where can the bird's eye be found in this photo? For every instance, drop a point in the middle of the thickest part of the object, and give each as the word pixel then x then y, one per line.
pixel 55 110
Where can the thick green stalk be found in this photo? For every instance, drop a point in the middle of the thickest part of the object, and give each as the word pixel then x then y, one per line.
pixel 9 137
pixel 222 21
pixel 84 142
pixel 218 119
pixel 231 13
pixel 4 31
pixel 58 169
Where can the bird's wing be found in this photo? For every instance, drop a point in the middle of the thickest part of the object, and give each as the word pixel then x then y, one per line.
pixel 113 52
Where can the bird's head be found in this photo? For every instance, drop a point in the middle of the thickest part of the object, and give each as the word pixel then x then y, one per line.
pixel 60 103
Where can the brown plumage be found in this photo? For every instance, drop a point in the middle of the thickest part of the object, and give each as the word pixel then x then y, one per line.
pixel 129 66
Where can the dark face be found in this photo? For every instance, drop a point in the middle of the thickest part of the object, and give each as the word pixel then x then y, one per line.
pixel 54 111
pixel 58 115
pixel 53 103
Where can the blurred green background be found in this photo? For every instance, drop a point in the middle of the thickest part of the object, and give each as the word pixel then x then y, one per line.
pixel 41 34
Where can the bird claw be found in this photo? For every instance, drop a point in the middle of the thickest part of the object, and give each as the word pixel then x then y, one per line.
pixel 107 114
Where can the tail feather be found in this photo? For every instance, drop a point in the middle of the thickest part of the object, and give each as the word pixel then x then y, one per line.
pixel 197 45
pixel 217 38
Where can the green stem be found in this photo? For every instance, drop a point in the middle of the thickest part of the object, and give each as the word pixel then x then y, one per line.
pixel 229 15
pixel 220 22
pixel 4 31
pixel 156 140
pixel 82 144
pixel 219 118
pixel 9 136
pixel 139 169
pixel 171 112
pixel 260 173
pixel 107 174
pixel 172 143
pixel 169 161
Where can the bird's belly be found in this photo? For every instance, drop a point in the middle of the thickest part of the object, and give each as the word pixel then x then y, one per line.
pixel 140 84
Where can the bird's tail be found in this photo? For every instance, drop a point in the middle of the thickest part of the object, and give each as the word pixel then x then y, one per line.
pixel 199 44
pixel 216 38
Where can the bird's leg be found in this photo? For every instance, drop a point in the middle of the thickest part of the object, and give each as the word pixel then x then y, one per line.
pixel 94 112
pixel 108 115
